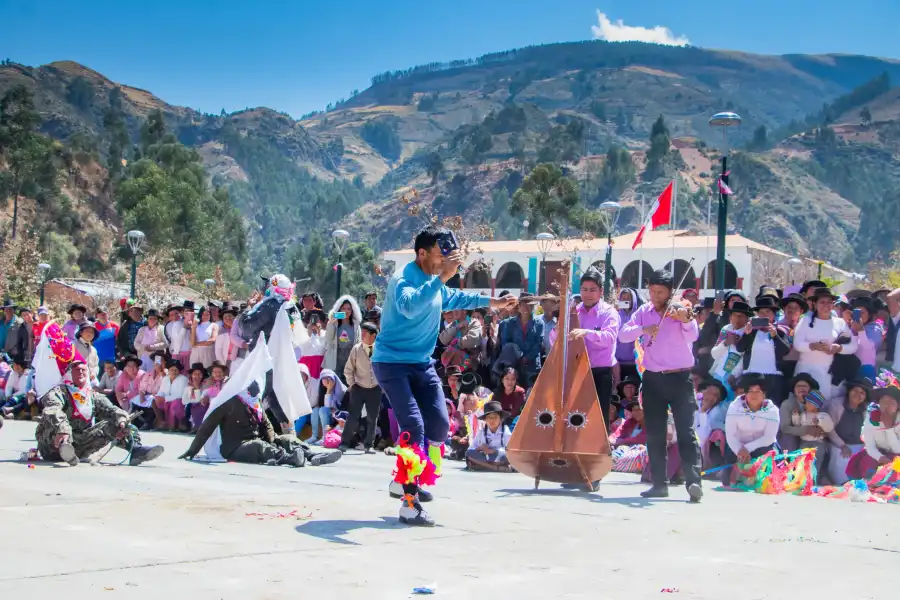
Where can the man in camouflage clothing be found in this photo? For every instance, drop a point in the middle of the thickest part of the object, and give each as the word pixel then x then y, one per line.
pixel 67 429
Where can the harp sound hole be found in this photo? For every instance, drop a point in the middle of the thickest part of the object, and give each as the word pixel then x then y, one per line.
pixel 560 462
pixel 576 420
pixel 545 418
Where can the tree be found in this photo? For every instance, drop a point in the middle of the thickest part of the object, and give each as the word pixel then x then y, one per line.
pixel 865 116
pixel 80 92
pixel 517 148
pixel 383 138
pixel 546 198
pixel 659 149
pixel 598 109
pixel 623 122
pixel 434 166
pixel 33 161
pixel 617 174
pixel 18 258
pixel 119 140
pixel 312 260
pixel 760 139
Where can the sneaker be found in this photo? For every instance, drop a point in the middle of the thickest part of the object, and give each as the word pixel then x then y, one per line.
pixel 311 441
pixel 142 454
pixel 370 450
pixel 343 448
pixel 390 451
pixel 412 513
pixel 67 453
pixel 656 492
pixel 695 491
pixel 325 458
pixel 396 491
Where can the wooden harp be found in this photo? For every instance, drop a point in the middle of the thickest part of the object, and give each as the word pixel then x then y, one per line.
pixel 561 435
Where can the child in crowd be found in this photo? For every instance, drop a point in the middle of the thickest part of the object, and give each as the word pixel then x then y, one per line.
pixel 365 393
pixel 488 451
pixel 107 383
pixel 815 417
pixel 330 397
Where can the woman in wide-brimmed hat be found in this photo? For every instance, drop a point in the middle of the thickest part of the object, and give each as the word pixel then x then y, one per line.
pixel 77 317
pixel 171 395
pixel 84 345
pixel 820 336
pixel 765 346
pixel 149 339
pixel 203 338
pixel 845 440
pixel 488 449
pixel 869 332
pixel 195 403
pixel 881 430
pixel 728 362
pixel 798 387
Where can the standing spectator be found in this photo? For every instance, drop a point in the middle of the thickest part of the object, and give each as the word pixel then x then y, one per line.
pixel 203 339
pixel 522 336
pixel 77 318
pixel 84 345
pixel 669 333
pixel 549 310
pixel 131 324
pixel 372 304
pixel 792 307
pixel 19 344
pixel 174 334
pixel 9 316
pixel 226 351
pixel 43 317
pixel 102 321
pixel 150 339
pixel 764 349
pixel 187 321
pixel 170 396
pixel 486 351
pixel 310 302
pixel 341 333
pixel 365 394
pixel 728 360
pixel 819 337
pixel 312 353
pixel 28 318
pixel 629 301
pixel 870 335
pixel 215 310
pixel 598 326
pixel 751 425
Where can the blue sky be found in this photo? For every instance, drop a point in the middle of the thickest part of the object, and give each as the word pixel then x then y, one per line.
pixel 297 56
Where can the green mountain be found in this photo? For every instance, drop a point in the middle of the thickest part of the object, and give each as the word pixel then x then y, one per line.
pixel 811 176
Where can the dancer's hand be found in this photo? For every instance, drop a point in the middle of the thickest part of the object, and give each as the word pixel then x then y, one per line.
pixel 186 456
pixel 452 262
pixel 506 302
pixel 59 439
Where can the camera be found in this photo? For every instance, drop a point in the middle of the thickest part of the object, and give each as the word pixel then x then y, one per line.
pixel 448 243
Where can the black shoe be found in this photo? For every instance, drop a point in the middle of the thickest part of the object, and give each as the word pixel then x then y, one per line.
pixel 695 491
pixel 324 458
pixel 343 448
pixel 142 454
pixel 656 492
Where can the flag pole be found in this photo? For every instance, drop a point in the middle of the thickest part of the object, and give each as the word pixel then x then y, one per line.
pixel 641 251
pixel 674 219
pixel 708 225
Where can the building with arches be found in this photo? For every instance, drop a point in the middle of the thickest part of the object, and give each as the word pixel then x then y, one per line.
pixel 516 265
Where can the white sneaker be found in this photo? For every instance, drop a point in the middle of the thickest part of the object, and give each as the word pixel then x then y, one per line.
pixel 311 441
pixel 412 513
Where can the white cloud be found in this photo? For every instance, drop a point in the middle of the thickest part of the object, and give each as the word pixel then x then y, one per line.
pixel 620 32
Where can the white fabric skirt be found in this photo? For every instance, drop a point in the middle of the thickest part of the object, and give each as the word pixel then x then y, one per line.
pixel 205 355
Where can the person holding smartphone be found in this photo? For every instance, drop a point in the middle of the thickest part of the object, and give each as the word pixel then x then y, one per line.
pixel 342 332
pixel 764 347
pixel 870 334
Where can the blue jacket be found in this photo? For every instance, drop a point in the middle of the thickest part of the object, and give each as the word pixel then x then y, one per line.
pixel 411 316
pixel 529 342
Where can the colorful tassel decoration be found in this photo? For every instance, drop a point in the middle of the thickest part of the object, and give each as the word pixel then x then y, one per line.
pixel 413 465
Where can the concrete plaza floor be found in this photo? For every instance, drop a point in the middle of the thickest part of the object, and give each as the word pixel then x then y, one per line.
pixel 173 529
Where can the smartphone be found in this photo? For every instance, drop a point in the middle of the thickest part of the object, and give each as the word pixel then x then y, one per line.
pixel 624 304
pixel 759 323
pixel 340 315
pixel 720 296
pixel 857 315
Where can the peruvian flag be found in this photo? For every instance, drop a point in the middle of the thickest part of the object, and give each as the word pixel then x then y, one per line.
pixel 660 214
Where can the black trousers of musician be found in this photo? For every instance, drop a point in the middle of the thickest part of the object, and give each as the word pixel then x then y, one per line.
pixel 662 391
pixel 603 383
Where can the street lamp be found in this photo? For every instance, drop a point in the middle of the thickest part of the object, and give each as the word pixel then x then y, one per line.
pixel 793 262
pixel 544 242
pixel 611 210
pixel 339 236
pixel 135 241
pixel 43 272
pixel 723 120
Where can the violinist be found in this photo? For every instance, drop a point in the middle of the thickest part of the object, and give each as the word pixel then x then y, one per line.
pixel 668 331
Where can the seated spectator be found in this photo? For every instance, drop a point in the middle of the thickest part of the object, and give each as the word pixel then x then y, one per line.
pixel 129 381
pixel 880 434
pixel 628 390
pixel 488 451
pixel 751 425
pixel 709 423
pixel 462 341
pixel 218 375
pixel 615 411
pixel 632 431
pixel 108 381
pixel 331 400
pixel 170 396
pixel 789 434
pixel 816 424
pixel 845 439
pixel 194 401
pixel 466 421
pixel 153 416
pixel 17 396
pixel 510 395
pixel 521 340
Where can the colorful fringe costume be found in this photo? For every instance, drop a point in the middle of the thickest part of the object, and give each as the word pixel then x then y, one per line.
pixel 414 466
pixel 793 473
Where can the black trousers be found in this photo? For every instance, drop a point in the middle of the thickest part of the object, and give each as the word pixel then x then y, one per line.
pixel 603 383
pixel 359 397
pixel 662 391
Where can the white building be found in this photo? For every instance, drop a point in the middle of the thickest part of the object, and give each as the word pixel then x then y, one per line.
pixel 514 265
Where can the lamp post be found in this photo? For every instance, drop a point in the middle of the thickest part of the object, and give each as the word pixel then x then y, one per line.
pixel 723 120
pixel 135 241
pixel 544 241
pixel 339 236
pixel 43 271
pixel 793 262
pixel 611 209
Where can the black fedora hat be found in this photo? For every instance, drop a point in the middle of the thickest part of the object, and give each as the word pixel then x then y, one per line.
pixel 767 290
pixel 865 302
pixel 468 381
pixel 188 305
pixel 197 367
pixel 741 307
pixel 493 408
pixel 803 377
pixel 812 283
pixel 74 307
pixel 797 299
pixel 770 302
pixel 891 391
pixel 863 383
pixel 630 380
pixel 173 362
pixel 824 292
pixel 152 313
pixel 131 358
pixel 705 304
pixel 723 391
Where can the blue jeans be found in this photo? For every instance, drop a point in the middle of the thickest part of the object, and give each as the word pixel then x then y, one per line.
pixel 321 415
pixel 417 397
